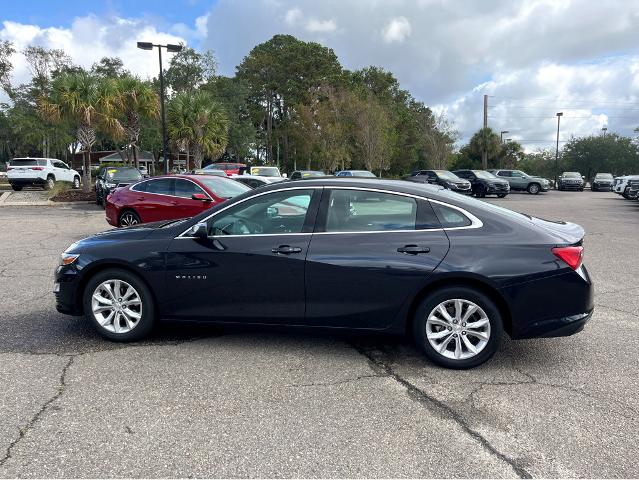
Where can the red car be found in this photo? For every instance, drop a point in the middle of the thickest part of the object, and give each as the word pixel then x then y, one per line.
pixel 168 198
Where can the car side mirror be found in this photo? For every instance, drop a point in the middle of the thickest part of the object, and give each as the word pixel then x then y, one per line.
pixel 200 231
pixel 146 175
pixel 201 197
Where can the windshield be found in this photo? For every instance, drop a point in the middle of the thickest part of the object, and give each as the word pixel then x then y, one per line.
pixel 312 173
pixel 123 174
pixel 606 176
pixel 572 175
pixel 266 171
pixel 363 173
pixel 485 175
pixel 223 187
pixel 446 175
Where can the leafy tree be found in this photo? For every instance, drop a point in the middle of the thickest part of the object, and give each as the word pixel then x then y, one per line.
pixel 510 154
pixel 6 51
pixel 484 140
pixel 109 67
pixel 597 153
pixel 197 124
pixel 137 100
pixel 88 103
pixel 372 135
pixel 189 69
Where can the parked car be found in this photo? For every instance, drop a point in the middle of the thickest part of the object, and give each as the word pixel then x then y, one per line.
pixel 521 181
pixel 255 181
pixel 602 182
pixel 45 172
pixel 441 177
pixel 620 186
pixel 265 171
pixel 484 183
pixel 571 181
pixel 210 171
pixel 300 174
pixel 376 255
pixel 167 198
pixel 109 178
pixel 633 189
pixel 227 167
pixel 355 173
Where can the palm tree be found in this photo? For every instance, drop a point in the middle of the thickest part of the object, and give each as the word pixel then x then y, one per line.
pixel 138 101
pixel 88 103
pixel 197 124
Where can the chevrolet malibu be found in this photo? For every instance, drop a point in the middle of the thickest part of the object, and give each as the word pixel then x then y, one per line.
pixel 370 255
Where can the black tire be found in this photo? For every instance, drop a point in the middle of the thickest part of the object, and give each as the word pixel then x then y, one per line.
pixel 481 191
pixel 501 195
pixel 464 293
pixel 147 319
pixel 16 188
pixel 50 183
pixel 534 188
pixel 129 218
pixel 98 200
pixel 76 182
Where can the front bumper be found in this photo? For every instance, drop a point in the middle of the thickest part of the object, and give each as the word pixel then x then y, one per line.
pixel 66 289
pixel 498 189
pixel 572 186
pixel 602 186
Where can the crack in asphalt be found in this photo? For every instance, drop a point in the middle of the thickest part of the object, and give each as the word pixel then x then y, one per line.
pixel 338 382
pixel 23 431
pixel 424 398
pixel 602 305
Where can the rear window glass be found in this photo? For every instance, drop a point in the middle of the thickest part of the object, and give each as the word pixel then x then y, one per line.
pixel 450 217
pixel 27 162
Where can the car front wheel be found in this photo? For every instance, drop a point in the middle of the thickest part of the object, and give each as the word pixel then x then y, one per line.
pixel 119 305
pixel 458 327
pixel 533 189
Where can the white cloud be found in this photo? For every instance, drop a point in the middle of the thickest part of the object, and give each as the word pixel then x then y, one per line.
pixel 315 25
pixel 397 30
pixel 293 16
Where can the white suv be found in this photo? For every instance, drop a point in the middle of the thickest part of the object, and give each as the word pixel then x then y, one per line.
pixel 22 172
pixel 620 186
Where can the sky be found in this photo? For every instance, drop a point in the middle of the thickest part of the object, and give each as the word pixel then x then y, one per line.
pixel 533 58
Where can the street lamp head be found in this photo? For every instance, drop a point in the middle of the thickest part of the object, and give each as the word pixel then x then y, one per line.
pixel 505 131
pixel 145 45
pixel 173 48
pixel 559 114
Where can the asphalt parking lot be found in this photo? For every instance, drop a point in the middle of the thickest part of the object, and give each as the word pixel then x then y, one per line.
pixel 208 402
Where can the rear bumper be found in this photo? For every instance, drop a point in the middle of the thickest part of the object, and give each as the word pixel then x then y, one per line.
pixel 111 213
pixel 27 181
pixel 551 307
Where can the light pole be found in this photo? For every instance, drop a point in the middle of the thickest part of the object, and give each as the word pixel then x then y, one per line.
pixel 501 135
pixel 169 48
pixel 559 114
pixel 603 129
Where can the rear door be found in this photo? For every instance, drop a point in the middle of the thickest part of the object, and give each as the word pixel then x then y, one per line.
pixel 61 171
pixel 371 252
pixel 157 202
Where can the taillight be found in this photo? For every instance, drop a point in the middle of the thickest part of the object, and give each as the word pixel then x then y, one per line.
pixel 37 168
pixel 573 256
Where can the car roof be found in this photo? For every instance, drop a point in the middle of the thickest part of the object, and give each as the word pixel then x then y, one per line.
pixel 400 186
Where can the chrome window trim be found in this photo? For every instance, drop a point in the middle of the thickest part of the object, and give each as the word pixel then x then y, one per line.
pixel 132 188
pixel 475 222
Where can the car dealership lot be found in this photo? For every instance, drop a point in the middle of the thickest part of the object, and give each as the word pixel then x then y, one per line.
pixel 212 402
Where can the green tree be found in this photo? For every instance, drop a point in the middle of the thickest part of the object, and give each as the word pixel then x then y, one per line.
pixel 197 124
pixel 189 69
pixel 88 103
pixel 373 135
pixel 109 67
pixel 137 101
pixel 597 153
pixel 6 67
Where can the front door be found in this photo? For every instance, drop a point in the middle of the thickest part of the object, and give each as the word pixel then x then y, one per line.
pixel 374 254
pixel 251 268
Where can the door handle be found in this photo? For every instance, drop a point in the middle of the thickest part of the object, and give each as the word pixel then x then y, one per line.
pixel 413 249
pixel 286 249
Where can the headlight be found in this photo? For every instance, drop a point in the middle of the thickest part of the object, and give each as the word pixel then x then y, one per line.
pixel 68 258
pixel 490 185
pixel 111 185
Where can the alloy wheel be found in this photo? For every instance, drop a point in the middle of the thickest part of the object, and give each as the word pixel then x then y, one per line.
pixel 129 219
pixel 458 329
pixel 76 182
pixel 116 306
pixel 534 189
pixel 50 183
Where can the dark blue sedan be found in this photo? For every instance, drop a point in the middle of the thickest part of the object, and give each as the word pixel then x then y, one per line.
pixel 376 255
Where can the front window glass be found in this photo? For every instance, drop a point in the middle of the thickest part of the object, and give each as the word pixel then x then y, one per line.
pixel 362 211
pixel 161 186
pixel 483 174
pixel 273 213
pixel 186 189
pixel 446 175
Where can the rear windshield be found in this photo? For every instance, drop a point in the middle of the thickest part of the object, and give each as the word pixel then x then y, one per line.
pixel 123 174
pixel 223 187
pixel 27 162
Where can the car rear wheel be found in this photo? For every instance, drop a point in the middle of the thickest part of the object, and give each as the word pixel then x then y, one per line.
pixel 119 305
pixel 458 327
pixel 50 183
pixel 533 188
pixel 129 218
